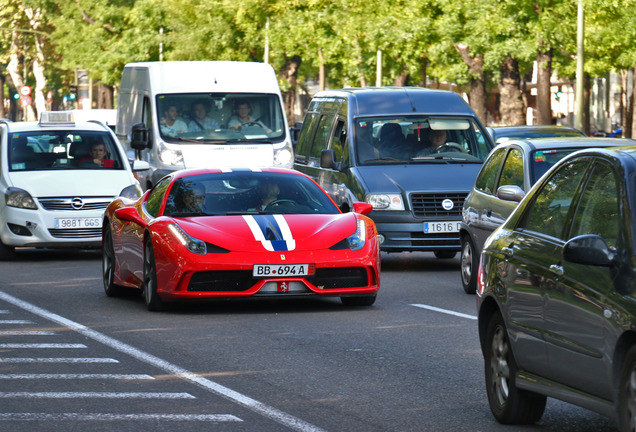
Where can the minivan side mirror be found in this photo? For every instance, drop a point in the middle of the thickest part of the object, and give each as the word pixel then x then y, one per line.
pixel 328 159
pixel 589 249
pixel 510 193
pixel 139 137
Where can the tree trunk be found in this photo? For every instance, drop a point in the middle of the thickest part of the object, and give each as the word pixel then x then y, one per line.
pixel 629 126
pixel 104 96
pixel 477 95
pixel 511 105
pixel 321 71
pixel 402 79
pixel 544 101
pixel 623 99
pixel 424 70
pixel 2 80
pixel 13 68
pixel 289 72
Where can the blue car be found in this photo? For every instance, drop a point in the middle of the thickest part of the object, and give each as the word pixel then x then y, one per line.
pixel 412 153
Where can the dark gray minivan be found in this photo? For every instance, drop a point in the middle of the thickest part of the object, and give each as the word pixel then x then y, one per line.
pixel 413 153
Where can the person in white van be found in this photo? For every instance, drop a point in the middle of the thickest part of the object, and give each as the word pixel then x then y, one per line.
pixel 200 119
pixel 170 124
pixel 243 117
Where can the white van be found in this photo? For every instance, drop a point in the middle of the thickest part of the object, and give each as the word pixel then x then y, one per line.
pixel 192 114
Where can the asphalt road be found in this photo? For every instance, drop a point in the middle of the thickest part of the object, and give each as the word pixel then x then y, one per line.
pixel 72 359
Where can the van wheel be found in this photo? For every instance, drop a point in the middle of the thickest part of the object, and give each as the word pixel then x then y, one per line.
pixel 509 404
pixel 445 254
pixel 7 253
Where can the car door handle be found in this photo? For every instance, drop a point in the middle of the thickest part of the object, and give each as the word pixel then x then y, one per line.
pixel 506 250
pixel 556 269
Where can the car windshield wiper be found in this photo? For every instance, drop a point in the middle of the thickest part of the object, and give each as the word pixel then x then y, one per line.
pixel 384 159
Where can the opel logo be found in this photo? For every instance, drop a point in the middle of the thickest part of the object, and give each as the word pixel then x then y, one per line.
pixel 447 204
pixel 77 203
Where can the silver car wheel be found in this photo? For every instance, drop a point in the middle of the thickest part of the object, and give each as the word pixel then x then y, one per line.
pixel 499 365
pixel 467 263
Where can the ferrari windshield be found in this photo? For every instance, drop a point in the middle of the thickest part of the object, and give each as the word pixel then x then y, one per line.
pixel 418 139
pixel 198 117
pixel 62 150
pixel 246 192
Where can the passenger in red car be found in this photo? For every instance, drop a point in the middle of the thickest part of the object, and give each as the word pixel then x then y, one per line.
pixel 269 193
pixel 191 199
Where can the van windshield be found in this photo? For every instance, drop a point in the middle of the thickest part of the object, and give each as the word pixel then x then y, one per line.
pixel 195 117
pixel 418 139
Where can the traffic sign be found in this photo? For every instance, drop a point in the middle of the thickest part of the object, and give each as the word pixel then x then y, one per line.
pixel 25 90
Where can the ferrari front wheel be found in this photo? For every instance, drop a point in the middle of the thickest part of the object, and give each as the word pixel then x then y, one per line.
pixel 153 301
pixel 108 265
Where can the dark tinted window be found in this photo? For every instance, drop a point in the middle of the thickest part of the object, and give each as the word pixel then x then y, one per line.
pixel 307 134
pixel 542 161
pixel 548 213
pixel 321 138
pixel 512 171
pixel 598 211
pixel 488 175
pixel 155 199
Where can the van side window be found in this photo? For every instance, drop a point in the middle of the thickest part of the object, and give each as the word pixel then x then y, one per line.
pixel 339 143
pixel 321 139
pixel 147 117
pixel 307 136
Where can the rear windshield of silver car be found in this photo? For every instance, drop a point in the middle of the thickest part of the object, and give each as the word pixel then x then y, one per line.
pixel 418 139
pixel 62 150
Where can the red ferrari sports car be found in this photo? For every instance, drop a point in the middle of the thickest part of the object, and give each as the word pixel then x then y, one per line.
pixel 212 233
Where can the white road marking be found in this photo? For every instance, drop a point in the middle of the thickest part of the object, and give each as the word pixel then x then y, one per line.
pixel 93 417
pixel 26 333
pixel 15 322
pixel 4 311
pixel 446 311
pixel 78 376
pixel 56 360
pixel 247 402
pixel 42 345
pixel 95 395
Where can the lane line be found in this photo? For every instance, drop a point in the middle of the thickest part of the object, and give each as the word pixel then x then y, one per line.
pixel 15 322
pixel 95 395
pixel 258 407
pixel 42 345
pixel 56 360
pixel 445 311
pixel 93 417
pixel 78 376
pixel 26 333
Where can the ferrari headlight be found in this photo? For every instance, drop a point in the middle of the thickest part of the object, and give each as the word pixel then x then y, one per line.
pixel 170 156
pixel 386 201
pixel 357 239
pixel 132 192
pixel 15 197
pixel 192 244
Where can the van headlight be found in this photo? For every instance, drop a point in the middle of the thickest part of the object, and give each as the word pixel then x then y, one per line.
pixel 386 201
pixel 358 238
pixel 194 245
pixel 283 156
pixel 131 192
pixel 170 156
pixel 16 197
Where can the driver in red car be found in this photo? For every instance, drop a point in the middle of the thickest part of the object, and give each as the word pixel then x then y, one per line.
pixel 269 193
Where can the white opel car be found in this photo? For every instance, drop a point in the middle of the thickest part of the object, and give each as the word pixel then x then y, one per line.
pixel 57 177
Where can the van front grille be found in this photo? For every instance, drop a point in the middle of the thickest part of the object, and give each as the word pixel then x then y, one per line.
pixel 430 205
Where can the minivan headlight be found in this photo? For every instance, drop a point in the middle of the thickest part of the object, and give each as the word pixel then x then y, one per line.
pixel 386 201
pixel 16 197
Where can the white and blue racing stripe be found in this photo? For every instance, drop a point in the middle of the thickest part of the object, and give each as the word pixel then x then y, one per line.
pixel 272 231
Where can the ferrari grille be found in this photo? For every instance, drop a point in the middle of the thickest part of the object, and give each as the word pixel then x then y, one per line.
pixel 242 280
